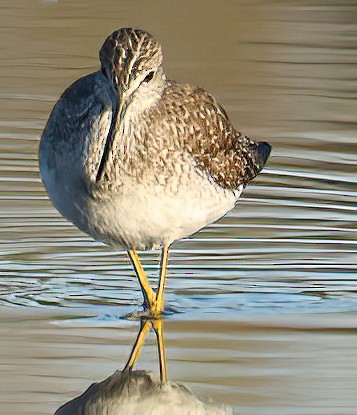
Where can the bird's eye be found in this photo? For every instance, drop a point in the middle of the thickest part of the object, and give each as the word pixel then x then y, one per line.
pixel 149 77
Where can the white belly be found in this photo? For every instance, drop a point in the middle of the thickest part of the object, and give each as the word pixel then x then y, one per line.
pixel 142 216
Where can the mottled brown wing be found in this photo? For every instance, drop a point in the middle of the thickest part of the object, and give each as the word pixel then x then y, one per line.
pixel 229 157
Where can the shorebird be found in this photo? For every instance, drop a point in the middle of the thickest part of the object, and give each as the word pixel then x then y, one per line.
pixel 138 161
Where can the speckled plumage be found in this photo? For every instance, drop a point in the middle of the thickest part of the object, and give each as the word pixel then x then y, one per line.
pixel 137 160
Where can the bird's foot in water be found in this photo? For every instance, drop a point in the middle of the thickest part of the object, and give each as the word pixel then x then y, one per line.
pixel 149 314
pixel 144 314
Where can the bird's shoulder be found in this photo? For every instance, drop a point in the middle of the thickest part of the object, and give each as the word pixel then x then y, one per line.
pixel 82 111
pixel 193 102
pixel 194 117
pixel 85 98
pixel 78 121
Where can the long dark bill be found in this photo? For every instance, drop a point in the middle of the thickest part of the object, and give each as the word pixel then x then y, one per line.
pixel 108 145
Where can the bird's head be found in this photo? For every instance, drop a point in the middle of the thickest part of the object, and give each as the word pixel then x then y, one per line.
pixel 132 64
pixel 132 61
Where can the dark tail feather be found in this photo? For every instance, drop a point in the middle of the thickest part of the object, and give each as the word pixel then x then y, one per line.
pixel 262 154
pixel 255 155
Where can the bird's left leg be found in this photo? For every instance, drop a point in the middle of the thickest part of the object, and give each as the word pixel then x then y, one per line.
pixel 148 292
pixel 158 305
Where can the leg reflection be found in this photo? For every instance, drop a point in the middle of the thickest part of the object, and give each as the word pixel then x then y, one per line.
pixel 133 392
pixel 138 344
pixel 159 331
pixel 157 326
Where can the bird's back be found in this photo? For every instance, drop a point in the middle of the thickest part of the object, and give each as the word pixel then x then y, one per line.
pixel 189 119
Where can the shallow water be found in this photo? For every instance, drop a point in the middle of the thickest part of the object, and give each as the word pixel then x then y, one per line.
pixel 265 299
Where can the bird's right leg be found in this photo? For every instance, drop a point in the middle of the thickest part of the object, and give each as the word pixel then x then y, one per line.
pixel 148 293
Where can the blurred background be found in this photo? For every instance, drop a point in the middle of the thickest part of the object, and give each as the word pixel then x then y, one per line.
pixel 265 300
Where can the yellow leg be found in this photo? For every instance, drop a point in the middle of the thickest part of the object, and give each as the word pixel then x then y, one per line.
pixel 159 331
pixel 158 306
pixel 148 293
pixel 139 342
pixel 157 325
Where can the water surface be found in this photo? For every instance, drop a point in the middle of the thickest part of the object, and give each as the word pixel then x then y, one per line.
pixel 266 298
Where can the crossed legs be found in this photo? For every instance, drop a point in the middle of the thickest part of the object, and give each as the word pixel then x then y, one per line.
pixel 153 302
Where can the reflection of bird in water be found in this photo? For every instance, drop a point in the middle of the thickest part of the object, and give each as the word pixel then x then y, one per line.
pixel 139 161
pixel 132 391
